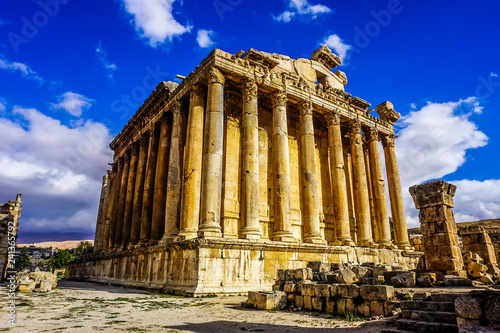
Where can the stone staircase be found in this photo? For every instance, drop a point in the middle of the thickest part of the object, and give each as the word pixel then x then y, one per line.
pixel 433 314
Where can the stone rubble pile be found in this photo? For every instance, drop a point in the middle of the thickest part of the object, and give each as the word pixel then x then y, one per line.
pixel 27 282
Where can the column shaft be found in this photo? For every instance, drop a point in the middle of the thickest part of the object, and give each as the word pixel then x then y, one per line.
pixel 350 188
pixel 174 179
pixel 149 186
pixel 373 216
pixel 121 201
pixel 212 157
pixel 191 193
pixel 250 171
pixel 138 192
pixel 361 198
pixel 106 213
pixel 310 191
pixel 339 186
pixel 281 170
pixel 101 218
pixel 160 192
pixel 378 185
pixel 113 202
pixel 395 194
pixel 129 199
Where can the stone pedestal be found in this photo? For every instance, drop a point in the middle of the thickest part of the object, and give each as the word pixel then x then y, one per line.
pixel 437 224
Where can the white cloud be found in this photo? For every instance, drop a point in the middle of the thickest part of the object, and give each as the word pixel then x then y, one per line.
pixel 493 74
pixel 57 168
pixel 433 143
pixel 24 69
pixel 204 38
pixel 107 65
pixel 3 106
pixel 154 20
pixel 73 103
pixel 335 42
pixel 413 106
pixel 303 10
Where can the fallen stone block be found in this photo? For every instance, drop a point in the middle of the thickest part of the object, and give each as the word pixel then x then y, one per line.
pixel 380 270
pixel 265 300
pixel 330 306
pixel 308 302
pixel 453 280
pixel 424 281
pixel 348 290
pixel 431 276
pixel 307 289
pixel 318 303
pixel 319 266
pixel 493 270
pixel 468 307
pixel 372 280
pixel 332 278
pixel 476 270
pixel 404 280
pixel 290 287
pixel 277 287
pixel 492 307
pixel 362 271
pixel 299 301
pixel 322 290
pixel 347 276
pixel 376 293
pixel 422 296
pixel 376 308
pixel 486 279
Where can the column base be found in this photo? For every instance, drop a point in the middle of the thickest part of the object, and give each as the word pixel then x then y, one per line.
pixel 405 246
pixel 367 243
pixel 387 245
pixel 187 234
pixel 283 236
pixel 314 239
pixel 210 230
pixel 346 241
pixel 250 233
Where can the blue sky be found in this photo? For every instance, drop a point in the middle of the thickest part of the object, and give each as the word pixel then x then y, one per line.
pixel 73 72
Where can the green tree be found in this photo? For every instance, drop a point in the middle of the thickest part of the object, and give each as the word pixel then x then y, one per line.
pixel 60 259
pixel 81 247
pixel 23 260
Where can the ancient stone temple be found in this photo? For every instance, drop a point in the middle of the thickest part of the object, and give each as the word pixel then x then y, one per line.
pixel 254 162
pixel 10 213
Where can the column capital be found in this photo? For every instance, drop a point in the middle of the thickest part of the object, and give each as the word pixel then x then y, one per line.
pixel 250 89
pixel 143 141
pixel 134 150
pixel 354 127
pixel 215 76
pixel 198 90
pixel 332 118
pixel 371 134
pixel 176 107
pixel 126 157
pixel 279 98
pixel 388 140
pixel 305 107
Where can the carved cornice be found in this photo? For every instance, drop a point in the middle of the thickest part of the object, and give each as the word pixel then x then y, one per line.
pixel 388 140
pixel 305 108
pixel 279 98
pixel 215 76
pixel 250 89
pixel 371 134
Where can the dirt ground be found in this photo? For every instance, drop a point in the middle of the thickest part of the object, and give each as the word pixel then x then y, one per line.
pixel 87 307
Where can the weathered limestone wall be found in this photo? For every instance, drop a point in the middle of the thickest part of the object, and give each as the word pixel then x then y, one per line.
pixel 9 222
pixel 221 266
pixel 475 239
pixel 437 223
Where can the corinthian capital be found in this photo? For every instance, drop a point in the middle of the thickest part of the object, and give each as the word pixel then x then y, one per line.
pixel 216 76
pixel 355 127
pixel 332 118
pixel 371 134
pixel 176 106
pixel 250 89
pixel 279 98
pixel 305 107
pixel 197 90
pixel 388 140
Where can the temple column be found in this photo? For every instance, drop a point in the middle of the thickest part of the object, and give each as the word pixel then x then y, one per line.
pixel 101 216
pixel 121 201
pixel 250 153
pixel 212 157
pixel 395 194
pixel 135 229
pixel 174 179
pixel 113 201
pixel 373 216
pixel 360 184
pixel 377 178
pixel 191 192
pixel 310 192
pixel 350 188
pixel 160 191
pixel 149 186
pixel 339 186
pixel 129 199
pixel 281 170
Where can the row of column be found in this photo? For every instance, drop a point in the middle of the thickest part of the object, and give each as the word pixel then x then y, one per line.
pixel 165 188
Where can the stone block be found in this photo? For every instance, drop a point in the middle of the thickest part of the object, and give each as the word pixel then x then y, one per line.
pixel 493 270
pixel 377 293
pixel 309 273
pixel 334 290
pixel 350 306
pixel 307 289
pixel 476 270
pixel 45 286
pixel 348 290
pixel 332 278
pixel 463 322
pixel 492 307
pixel 341 305
pixel 430 276
pixel 322 290
pixel 319 266
pixel 299 301
pixel 422 296
pixel 290 287
pixel 389 307
pixel 364 309
pixel 298 274
pixel 377 308
pixel 347 276
pixel 266 301
pixel 277 287
pixel 291 297
pixel 372 280
pixel 453 280
pixel 468 307
pixel 330 306
pixel 318 303
pixel 404 280
pixel 26 286
pixel 486 279
pixel 308 302
pixel 362 271
pixel 424 281
pixel 282 274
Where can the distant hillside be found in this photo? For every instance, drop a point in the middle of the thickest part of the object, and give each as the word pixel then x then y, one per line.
pixel 59 245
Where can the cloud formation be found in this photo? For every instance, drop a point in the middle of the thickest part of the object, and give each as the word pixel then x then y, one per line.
pixel 107 65
pixel 73 103
pixel 335 43
pixel 302 10
pixel 57 168
pixel 154 20
pixel 204 38
pixel 432 143
pixel 18 67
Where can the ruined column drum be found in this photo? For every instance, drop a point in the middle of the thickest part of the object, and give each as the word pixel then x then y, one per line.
pixel 254 163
